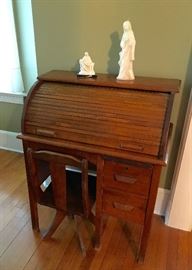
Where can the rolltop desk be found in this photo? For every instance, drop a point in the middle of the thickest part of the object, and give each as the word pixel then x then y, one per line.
pixel 122 127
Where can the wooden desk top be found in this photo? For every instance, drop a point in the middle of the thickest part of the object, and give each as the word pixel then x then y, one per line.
pixel 108 80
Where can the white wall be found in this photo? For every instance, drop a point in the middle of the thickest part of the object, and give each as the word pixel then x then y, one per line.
pixel 179 212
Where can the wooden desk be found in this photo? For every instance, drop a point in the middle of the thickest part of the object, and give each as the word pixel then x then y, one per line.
pixel 120 126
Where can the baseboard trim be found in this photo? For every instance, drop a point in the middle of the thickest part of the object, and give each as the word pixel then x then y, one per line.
pixel 162 201
pixel 16 98
pixel 8 141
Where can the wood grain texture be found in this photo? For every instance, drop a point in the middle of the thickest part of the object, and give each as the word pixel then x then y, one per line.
pixel 119 119
pixel 105 116
pixel 21 248
pixel 86 149
pixel 107 80
pixel 69 193
pixel 127 177
pixel 115 124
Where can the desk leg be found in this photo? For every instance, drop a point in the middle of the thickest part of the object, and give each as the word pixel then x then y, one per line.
pixel 149 212
pixel 32 200
pixel 99 198
pixel 34 210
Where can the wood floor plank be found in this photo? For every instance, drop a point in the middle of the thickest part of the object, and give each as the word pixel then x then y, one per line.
pixel 15 204
pixel 190 249
pixel 161 254
pixel 22 248
pixel 50 252
pixel 72 256
pixel 11 176
pixel 171 263
pixel 12 229
pixel 100 254
pixel 183 251
pixel 119 247
pixel 6 157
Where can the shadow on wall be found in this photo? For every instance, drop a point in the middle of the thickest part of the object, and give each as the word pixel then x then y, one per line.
pixel 113 67
pixel 76 67
pixel 180 121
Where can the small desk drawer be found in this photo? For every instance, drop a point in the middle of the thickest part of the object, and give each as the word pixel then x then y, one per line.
pixel 125 206
pixel 127 177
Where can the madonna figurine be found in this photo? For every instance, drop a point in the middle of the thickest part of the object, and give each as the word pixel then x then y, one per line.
pixel 127 54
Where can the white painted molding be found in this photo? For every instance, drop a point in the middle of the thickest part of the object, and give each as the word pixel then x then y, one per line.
pixel 16 98
pixel 179 210
pixel 8 141
pixel 162 201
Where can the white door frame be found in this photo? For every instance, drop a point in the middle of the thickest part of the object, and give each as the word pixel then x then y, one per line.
pixel 179 209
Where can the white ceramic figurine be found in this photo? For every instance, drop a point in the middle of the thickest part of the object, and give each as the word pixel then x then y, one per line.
pixel 86 66
pixel 127 54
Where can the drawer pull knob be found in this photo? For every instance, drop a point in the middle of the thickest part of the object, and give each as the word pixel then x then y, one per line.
pixel 125 179
pixel 124 207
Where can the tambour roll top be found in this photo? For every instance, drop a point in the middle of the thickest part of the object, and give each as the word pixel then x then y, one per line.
pixel 104 115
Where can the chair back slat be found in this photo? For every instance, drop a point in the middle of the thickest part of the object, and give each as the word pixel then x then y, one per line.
pixel 58 177
pixel 57 163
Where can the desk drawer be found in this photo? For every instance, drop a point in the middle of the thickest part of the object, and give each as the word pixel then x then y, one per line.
pixel 125 206
pixel 127 177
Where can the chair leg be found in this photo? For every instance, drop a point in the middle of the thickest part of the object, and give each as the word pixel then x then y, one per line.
pixel 99 225
pixel 78 220
pixel 34 211
pixel 56 222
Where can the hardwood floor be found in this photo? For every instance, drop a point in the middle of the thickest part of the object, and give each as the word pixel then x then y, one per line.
pixel 21 248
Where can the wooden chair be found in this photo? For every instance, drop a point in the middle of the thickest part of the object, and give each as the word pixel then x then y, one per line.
pixel 69 193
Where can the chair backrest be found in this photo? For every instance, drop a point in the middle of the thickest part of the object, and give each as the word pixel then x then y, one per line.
pixel 45 163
